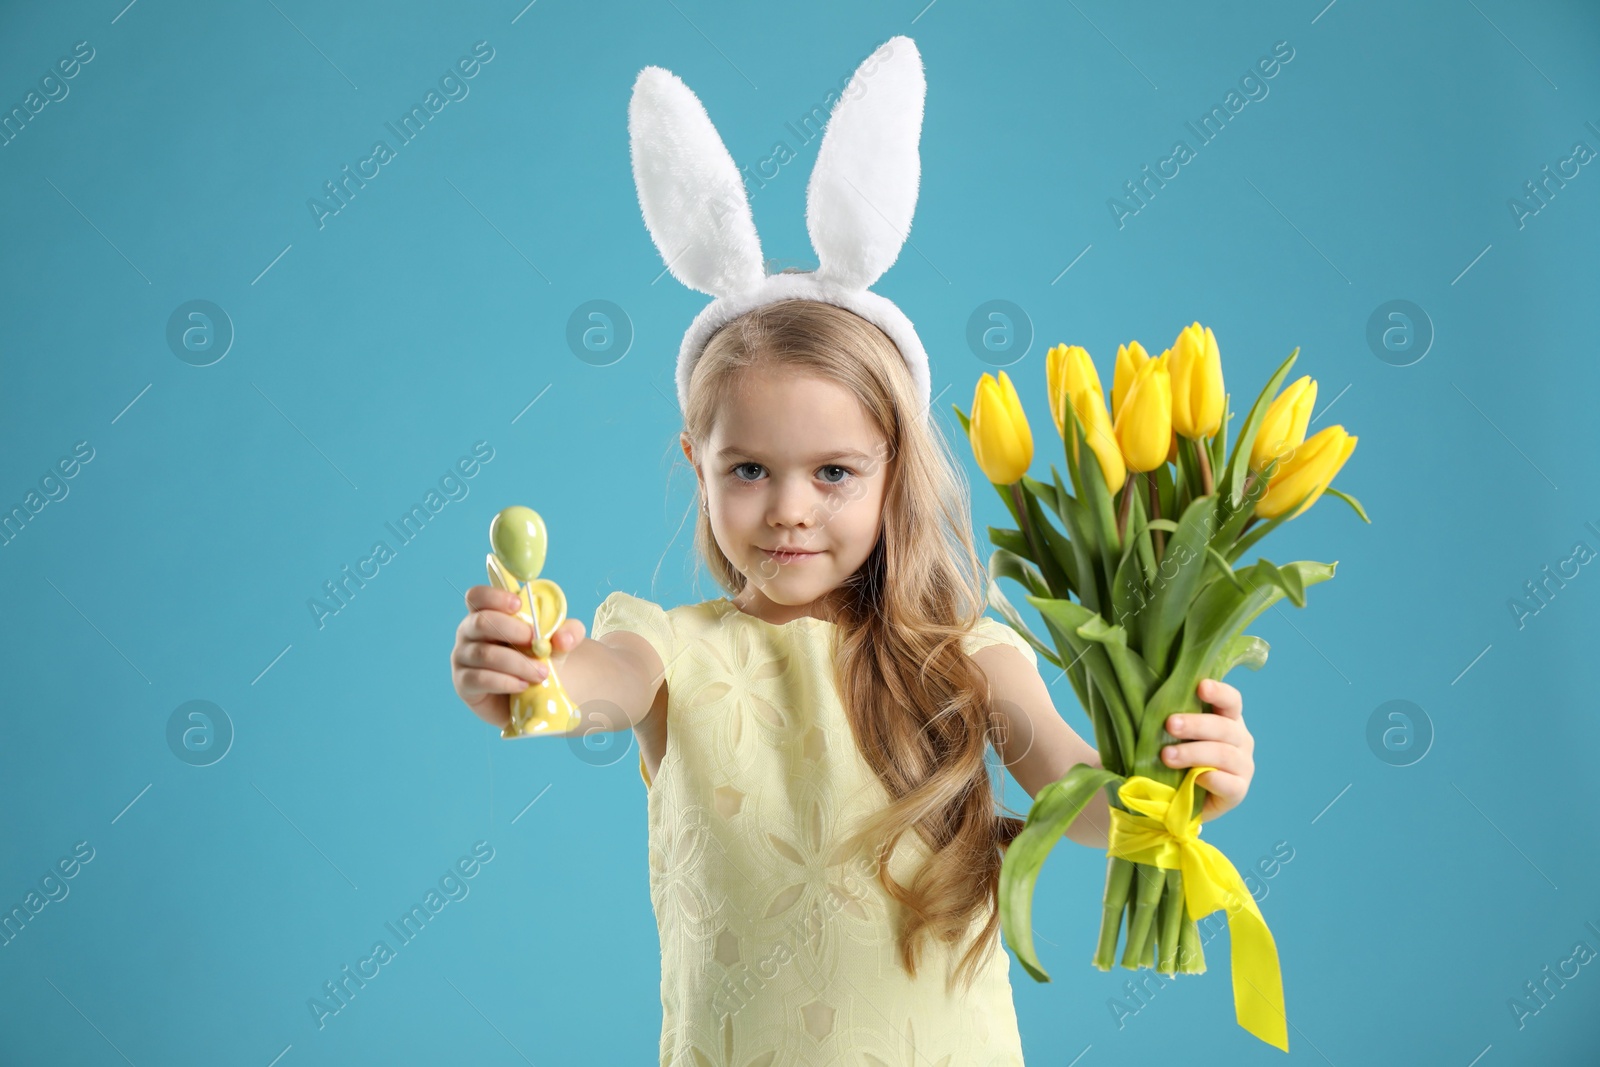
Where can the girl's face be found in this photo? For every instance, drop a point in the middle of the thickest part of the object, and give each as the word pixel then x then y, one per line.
pixel 793 462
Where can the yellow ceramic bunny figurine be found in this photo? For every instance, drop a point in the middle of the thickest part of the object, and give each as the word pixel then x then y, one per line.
pixel 517 537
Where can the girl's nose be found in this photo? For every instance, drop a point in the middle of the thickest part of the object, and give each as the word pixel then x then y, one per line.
pixel 793 504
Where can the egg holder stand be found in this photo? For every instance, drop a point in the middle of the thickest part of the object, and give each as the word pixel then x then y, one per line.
pixel 544 707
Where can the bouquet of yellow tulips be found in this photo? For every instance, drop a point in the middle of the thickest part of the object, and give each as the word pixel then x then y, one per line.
pixel 1142 596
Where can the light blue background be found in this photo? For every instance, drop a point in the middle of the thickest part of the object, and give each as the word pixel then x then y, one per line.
pixel 371 353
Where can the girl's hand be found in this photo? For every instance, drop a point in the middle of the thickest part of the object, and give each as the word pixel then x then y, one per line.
pixel 488 663
pixel 1217 740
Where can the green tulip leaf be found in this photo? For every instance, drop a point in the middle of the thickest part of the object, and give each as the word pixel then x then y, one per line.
pixel 1056 547
pixel 1128 596
pixel 1223 565
pixel 1046 493
pixel 1216 441
pixel 1219 613
pixel 1063 618
pixel 998 601
pixel 1055 808
pixel 1097 499
pixel 1239 462
pixel 1086 580
pixel 1243 544
pixel 1352 501
pixel 1245 650
pixel 1166 489
pixel 1290 581
pixel 1178 577
pixel 1137 525
pixel 1004 564
pixel 1137 679
pixel 1222 610
pixel 1010 540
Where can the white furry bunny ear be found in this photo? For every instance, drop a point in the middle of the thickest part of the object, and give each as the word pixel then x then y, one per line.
pixel 863 188
pixel 693 199
pixel 859 203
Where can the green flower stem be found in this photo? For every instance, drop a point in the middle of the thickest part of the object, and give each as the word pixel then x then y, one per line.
pixel 1191 954
pixel 1127 505
pixel 1171 922
pixel 1204 453
pixel 1022 521
pixel 1149 882
pixel 1119 875
pixel 1155 512
pixel 1158 929
pixel 1106 739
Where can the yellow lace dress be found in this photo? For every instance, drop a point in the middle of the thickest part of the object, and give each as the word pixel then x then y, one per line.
pixel 776 948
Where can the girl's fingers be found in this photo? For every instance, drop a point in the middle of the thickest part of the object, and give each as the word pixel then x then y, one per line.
pixel 487 655
pixel 1226 791
pixel 483 680
pixel 1225 723
pixel 493 597
pixel 1223 698
pixel 569 635
pixel 491 625
pixel 1207 728
pixel 1218 754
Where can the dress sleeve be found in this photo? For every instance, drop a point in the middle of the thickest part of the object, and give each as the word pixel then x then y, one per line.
pixel 620 611
pixel 994 632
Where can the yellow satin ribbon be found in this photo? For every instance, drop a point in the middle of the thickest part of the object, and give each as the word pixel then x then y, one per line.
pixel 1160 831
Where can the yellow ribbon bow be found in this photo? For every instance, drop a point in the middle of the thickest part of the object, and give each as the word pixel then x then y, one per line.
pixel 1165 835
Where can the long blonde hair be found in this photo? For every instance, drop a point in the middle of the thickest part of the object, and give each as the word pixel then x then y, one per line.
pixel 918 705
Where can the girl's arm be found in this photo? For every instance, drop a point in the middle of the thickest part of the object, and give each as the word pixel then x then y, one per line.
pixel 1039 747
pixel 616 681
pixel 1034 741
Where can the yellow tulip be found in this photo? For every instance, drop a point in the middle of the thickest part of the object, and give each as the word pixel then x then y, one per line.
pixel 1308 469
pixel 1091 408
pixel 1143 424
pixel 1130 357
pixel 1072 379
pixel 1068 369
pixel 1001 440
pixel 1197 396
pixel 1284 425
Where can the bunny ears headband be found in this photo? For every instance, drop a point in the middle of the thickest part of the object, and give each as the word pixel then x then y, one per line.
pixel 859 202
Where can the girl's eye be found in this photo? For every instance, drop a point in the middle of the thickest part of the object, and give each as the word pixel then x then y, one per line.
pixel 844 472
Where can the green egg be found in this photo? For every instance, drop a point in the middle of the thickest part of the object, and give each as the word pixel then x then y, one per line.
pixel 517 536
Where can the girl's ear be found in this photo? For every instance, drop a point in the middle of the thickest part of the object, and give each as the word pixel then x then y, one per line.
pixel 863 188
pixel 693 199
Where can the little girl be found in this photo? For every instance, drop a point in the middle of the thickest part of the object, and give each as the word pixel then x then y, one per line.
pixel 824 841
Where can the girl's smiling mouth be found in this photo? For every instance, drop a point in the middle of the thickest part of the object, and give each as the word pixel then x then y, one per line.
pixel 789 557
